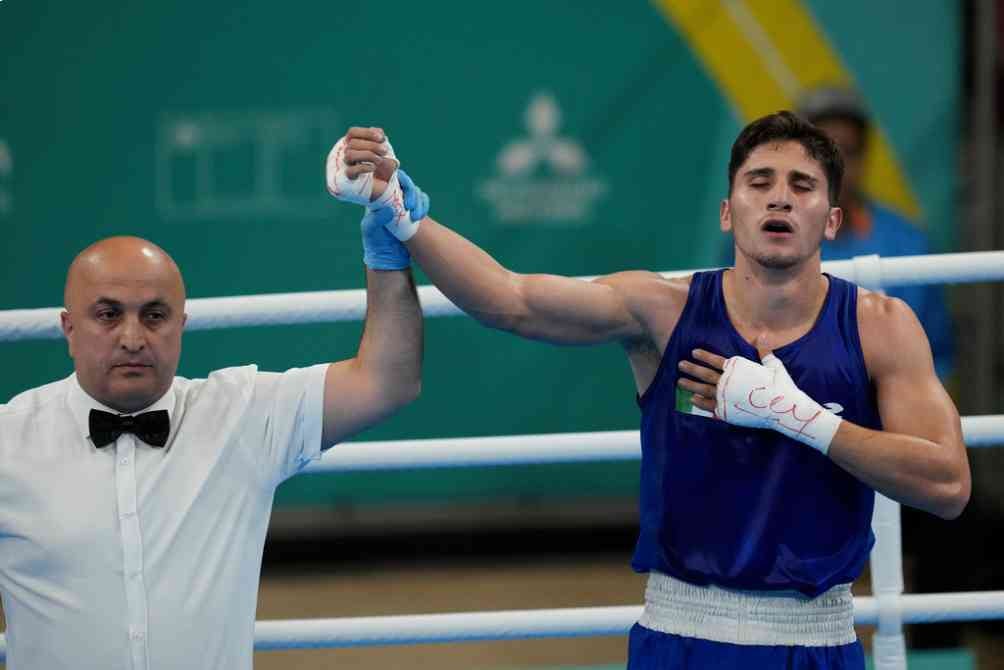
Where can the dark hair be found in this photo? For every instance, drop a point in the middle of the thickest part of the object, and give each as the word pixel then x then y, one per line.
pixel 784 126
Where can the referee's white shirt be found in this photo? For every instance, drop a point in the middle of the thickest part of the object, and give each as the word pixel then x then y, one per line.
pixel 136 557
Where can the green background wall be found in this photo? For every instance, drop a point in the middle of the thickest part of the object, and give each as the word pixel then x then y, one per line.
pixel 108 113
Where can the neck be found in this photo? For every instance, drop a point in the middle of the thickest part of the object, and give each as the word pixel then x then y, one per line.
pixel 768 300
pixel 128 405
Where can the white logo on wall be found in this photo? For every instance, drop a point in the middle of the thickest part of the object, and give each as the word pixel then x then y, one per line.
pixel 6 172
pixel 543 177
pixel 220 164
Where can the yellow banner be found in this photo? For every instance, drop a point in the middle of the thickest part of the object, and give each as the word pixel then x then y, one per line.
pixel 764 54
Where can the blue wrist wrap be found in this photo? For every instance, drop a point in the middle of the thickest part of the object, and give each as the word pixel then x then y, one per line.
pixel 381 250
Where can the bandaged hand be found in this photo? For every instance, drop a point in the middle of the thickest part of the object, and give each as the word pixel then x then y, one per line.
pixel 416 202
pixel 362 168
pixel 380 249
pixel 763 395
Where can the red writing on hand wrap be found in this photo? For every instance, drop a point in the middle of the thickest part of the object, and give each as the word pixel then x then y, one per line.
pixel 775 410
pixel 338 168
pixel 397 203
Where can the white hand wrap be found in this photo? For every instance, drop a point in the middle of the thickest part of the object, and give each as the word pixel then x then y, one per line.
pixel 764 396
pixel 360 190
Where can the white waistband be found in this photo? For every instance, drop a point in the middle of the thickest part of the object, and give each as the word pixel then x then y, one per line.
pixel 785 618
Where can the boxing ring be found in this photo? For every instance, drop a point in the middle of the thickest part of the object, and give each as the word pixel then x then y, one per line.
pixel 888 609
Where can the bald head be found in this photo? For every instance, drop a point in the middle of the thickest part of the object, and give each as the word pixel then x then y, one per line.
pixel 125 312
pixel 122 259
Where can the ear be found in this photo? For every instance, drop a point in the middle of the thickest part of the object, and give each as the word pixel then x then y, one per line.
pixel 833 222
pixel 725 216
pixel 66 323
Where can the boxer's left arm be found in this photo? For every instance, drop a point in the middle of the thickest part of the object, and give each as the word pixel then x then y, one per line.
pixel 919 457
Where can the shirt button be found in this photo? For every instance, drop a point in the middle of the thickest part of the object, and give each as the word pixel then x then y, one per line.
pixel 124 461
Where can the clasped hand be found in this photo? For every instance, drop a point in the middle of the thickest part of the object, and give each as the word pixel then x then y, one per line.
pixel 362 169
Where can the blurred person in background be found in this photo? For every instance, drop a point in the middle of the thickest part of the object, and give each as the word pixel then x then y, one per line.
pixel 869 227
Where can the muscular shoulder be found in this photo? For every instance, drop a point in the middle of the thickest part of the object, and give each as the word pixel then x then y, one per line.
pixel 654 300
pixel 648 293
pixel 891 335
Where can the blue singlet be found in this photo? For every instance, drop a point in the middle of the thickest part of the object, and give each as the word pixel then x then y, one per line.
pixel 745 508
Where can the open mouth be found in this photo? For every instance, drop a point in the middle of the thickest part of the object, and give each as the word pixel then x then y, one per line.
pixel 777 226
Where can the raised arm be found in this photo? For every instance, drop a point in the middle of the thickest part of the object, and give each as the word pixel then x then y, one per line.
pixel 386 372
pixel 544 307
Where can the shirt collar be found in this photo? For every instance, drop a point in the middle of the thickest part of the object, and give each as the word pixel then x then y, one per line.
pixel 81 404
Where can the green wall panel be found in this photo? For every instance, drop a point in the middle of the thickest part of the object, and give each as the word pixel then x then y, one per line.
pixel 204 126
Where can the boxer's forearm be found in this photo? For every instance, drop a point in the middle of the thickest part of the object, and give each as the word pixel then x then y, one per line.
pixel 465 273
pixel 920 472
pixel 911 470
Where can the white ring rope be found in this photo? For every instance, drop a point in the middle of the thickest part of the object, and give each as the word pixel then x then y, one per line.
pixel 350 305
pixel 327 306
pixel 555 623
pixel 569 622
pixel 612 445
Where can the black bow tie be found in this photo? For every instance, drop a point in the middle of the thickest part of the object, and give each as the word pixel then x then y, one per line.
pixel 151 427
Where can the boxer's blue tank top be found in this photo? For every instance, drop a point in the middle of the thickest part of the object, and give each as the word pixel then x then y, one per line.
pixel 746 508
